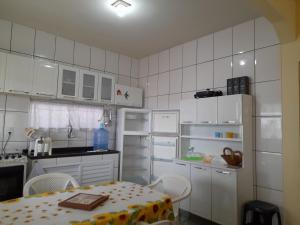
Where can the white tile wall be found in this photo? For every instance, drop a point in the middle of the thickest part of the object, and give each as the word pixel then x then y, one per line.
pixel 222 71
pixel 163 102
pixel 205 75
pixel 265 34
pixel 176 57
pixel 124 65
pixel 189 75
pixel 64 50
pixel 144 67
pixel 205 49
pixel 111 62
pixel 214 55
pixel 175 81
pixel 134 68
pixel 124 80
pixel 223 43
pixel 153 64
pixel 268 63
pixel 82 55
pixel 22 39
pixel 152 85
pixel 164 61
pixel 164 83
pixel 44 45
pixel 243 37
pixel 189 54
pixel 97 58
pixel 5 27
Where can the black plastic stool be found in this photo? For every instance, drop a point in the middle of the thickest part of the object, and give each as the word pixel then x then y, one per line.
pixel 262 213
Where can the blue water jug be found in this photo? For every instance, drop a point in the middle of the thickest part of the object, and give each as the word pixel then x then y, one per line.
pixel 101 138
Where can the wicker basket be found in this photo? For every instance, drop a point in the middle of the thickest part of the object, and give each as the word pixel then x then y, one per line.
pixel 233 158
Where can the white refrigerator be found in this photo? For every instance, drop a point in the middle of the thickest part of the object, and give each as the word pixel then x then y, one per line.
pixel 164 141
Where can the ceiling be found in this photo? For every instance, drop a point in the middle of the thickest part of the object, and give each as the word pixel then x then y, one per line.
pixel 154 25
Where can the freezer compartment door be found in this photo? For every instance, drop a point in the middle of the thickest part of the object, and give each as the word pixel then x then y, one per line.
pixel 164 147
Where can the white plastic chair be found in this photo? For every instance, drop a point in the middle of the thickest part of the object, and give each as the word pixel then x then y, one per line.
pixel 177 187
pixel 49 182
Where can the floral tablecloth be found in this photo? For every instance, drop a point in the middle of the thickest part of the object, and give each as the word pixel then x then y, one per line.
pixel 128 204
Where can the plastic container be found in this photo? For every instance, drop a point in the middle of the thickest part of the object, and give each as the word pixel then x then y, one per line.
pixel 101 138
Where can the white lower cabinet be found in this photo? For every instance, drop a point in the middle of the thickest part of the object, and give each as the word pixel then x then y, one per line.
pixel 224 197
pixel 201 191
pixel 85 169
pixel 183 169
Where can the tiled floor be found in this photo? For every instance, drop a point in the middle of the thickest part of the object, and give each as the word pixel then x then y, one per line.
pixel 186 218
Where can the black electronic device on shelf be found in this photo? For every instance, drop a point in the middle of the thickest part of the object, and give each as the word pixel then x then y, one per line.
pixel 238 85
pixel 208 93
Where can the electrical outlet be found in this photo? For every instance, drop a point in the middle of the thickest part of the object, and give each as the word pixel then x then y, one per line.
pixel 11 130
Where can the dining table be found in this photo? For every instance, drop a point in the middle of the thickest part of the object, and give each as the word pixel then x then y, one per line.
pixel 128 204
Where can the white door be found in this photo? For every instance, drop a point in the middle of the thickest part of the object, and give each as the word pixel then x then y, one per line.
pixel 207 111
pixel 230 109
pixel 164 147
pixel 68 82
pixel 106 88
pixel 165 122
pixel 19 74
pixel 201 191
pixel 183 169
pixel 224 197
pixel 188 111
pixel 88 85
pixel 2 70
pixel 45 78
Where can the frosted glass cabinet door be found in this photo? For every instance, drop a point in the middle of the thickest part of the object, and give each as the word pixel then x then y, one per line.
pixel 207 110
pixel 230 109
pixel 188 111
pixel 45 78
pixel 88 85
pixel 68 83
pixel 19 74
pixel 2 70
pixel 106 88
pixel 224 197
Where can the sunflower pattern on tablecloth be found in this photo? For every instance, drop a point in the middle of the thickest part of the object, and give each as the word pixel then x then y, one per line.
pixel 150 212
pixel 128 204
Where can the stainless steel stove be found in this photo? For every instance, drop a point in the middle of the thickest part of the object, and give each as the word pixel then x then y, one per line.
pixel 12 175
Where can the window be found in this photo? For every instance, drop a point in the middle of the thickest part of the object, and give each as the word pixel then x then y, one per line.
pixel 58 115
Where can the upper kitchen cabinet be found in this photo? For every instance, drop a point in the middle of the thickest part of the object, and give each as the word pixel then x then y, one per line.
pixel 44 45
pixel 188 111
pixel 230 109
pixel 64 50
pixel 68 82
pixel 19 74
pixel 82 55
pixel 106 88
pixel 5 30
pixel 207 110
pixel 111 62
pixel 22 40
pixel 45 78
pixel 128 96
pixel 88 85
pixel 2 70
pixel 97 58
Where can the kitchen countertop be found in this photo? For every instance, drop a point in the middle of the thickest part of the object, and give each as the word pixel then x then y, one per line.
pixel 216 165
pixel 74 151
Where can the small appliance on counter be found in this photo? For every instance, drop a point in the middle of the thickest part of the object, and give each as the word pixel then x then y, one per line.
pixel 42 145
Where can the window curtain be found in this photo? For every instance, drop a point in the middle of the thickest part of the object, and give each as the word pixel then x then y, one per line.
pixel 58 115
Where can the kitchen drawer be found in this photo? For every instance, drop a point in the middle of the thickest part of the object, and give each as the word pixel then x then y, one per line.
pixel 165 122
pixel 113 157
pixel 68 160
pixel 91 158
pixel 46 162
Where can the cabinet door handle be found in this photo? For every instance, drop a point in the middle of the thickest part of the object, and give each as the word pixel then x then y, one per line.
pixel 223 172
pixel 230 122
pixel 187 121
pixel 17 91
pixel 200 168
pixel 181 164
pixel 44 94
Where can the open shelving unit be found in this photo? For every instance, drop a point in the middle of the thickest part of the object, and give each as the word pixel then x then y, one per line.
pixel 133 141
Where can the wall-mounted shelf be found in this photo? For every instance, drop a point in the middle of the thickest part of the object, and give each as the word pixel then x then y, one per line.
pixel 212 138
pixel 135 133
pixel 212 124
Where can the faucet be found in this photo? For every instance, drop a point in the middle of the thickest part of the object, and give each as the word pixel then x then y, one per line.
pixel 70 130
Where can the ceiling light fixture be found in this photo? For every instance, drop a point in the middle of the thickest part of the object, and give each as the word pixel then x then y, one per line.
pixel 121 7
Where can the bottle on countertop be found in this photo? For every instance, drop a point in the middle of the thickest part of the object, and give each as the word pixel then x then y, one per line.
pixel 101 137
